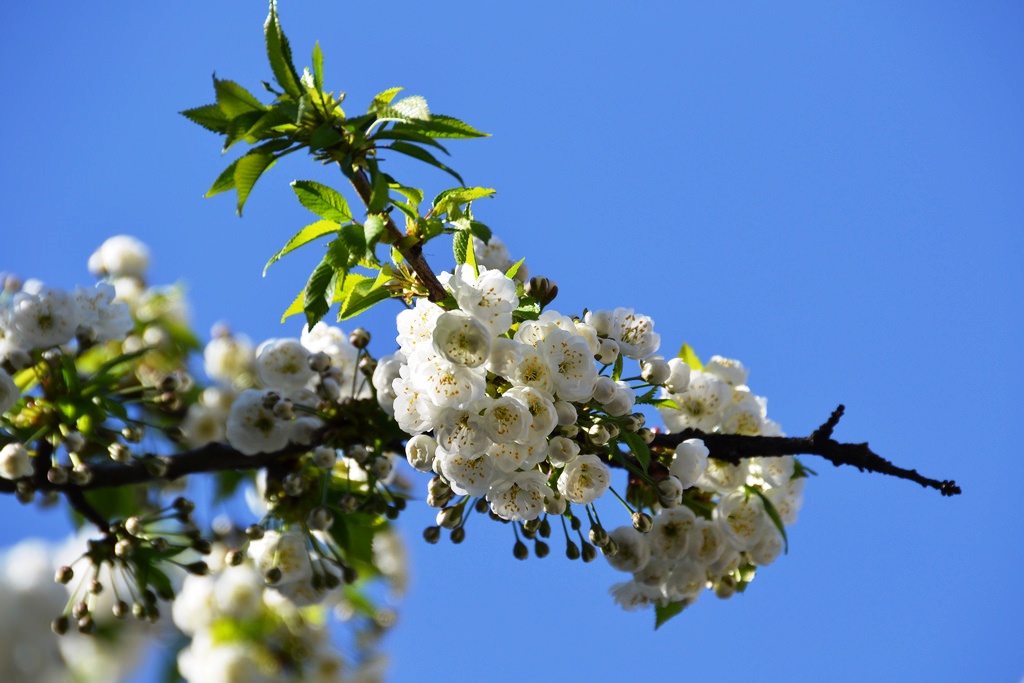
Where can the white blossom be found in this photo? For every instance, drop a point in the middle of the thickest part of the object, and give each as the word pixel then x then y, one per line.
pixel 584 479
pixel 728 370
pixel 461 339
pixel 252 427
pixel 120 256
pixel 689 461
pixel 43 320
pixel 519 496
pixel 635 334
pixel 633 550
pixel 283 364
pixel 15 461
pixel 9 392
pixel 489 297
pixel 419 451
pixel 228 358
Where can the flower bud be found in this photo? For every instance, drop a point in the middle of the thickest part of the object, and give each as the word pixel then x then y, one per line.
pixel 588 552
pixel 324 457
pixel 119 452
pixel 655 370
pixel 320 518
pixel 520 551
pixel 670 491
pixel 319 361
pixel 541 289
pixel 359 338
pixel 432 534
pixel 64 575
pixel 642 522
pixel 458 535
pixel 60 625
pixel 572 551
pixel 541 549
pixel 449 518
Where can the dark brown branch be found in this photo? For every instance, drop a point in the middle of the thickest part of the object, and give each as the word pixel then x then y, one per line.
pixel 733 448
pixel 413 255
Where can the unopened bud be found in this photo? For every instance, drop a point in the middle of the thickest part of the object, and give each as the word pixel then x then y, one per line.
pixel 320 518
pixel 541 289
pixel 199 568
pixel 60 625
pixel 589 552
pixel 324 457
pixel 725 587
pixel 449 518
pixel 124 548
pixel 642 522
pixel 432 534
pixel 284 409
pixel 541 549
pixel 520 551
pixel 319 361
pixel 458 535
pixel 359 338
pixel 119 452
pixel 381 467
pixel 598 536
pixel 572 551
pixel 255 532
pixel 64 575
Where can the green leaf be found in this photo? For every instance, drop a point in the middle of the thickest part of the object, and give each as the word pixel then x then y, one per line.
pixel 689 357
pixel 423 155
pixel 209 117
pixel 480 231
pixel 373 228
pixel 234 100
pixel 449 200
pixel 296 306
pixel 324 137
pixel 409 136
pixel 662 613
pixel 280 54
pixel 511 272
pixel 460 245
pixel 769 507
pixel 322 200
pixel 638 447
pixel 224 182
pixel 440 126
pixel 383 99
pixel 665 403
pixel 801 470
pixel 239 127
pixel 248 170
pixel 302 237
pixel 358 294
pixel 316 301
pixel 379 197
pixel 318 67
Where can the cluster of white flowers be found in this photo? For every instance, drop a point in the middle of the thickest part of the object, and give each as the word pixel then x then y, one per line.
pixel 29 598
pixel 684 552
pixel 489 402
pixel 240 631
pixel 268 395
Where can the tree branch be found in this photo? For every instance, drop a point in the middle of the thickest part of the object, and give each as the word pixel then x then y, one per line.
pixel 413 255
pixel 733 448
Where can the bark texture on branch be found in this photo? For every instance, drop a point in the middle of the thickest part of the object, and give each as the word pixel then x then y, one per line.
pixel 735 447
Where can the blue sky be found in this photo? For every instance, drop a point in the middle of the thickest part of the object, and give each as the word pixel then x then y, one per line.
pixel 831 192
